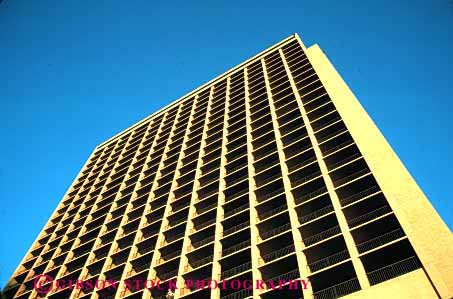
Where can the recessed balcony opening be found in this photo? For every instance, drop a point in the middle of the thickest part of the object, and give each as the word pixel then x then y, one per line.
pixel 174 233
pixel 265 139
pixel 238 152
pixel 286 106
pixel 204 220
pixel 264 129
pixel 377 233
pixel 285 269
pixel 134 214
pixel 236 264
pixel 358 189
pixel 197 279
pixel 120 257
pixel 186 178
pixel 208 190
pixel 236 177
pixel 234 245
pixel 275 248
pixel 342 156
pixel 294 135
pixel 211 156
pixel 391 261
pixel 114 274
pixel 320 229
pixel 265 150
pixel 349 172
pixel 335 282
pixel 146 246
pixel 299 147
pixel 259 113
pixel 94 268
pixel 258 122
pixel 206 205
pixel 271 207
pixel 237 143
pixel 367 210
pixel 234 291
pixel 209 177
pixel 155 215
pixel 269 190
pixel 236 118
pixel 266 162
pixel 150 230
pixel 201 238
pixel 291 126
pixel 256 106
pixel 321 111
pixel 278 225
pixel 237 206
pixel 164 190
pixel 180 203
pixel 236 165
pixel 317 102
pixel 315 208
pixel 288 117
pixel 177 218
pixel 136 295
pixel 236 190
pixel 268 175
pixel 210 166
pixel 140 264
pixel 304 175
pixel 167 271
pixel 125 241
pixel 326 254
pixel 328 127
pixel 197 258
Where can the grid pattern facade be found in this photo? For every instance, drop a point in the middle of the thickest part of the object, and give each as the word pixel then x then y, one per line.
pixel 253 176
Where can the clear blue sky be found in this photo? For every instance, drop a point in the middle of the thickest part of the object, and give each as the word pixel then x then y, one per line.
pixel 73 74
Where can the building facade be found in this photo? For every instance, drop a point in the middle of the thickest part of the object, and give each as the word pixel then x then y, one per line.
pixel 269 181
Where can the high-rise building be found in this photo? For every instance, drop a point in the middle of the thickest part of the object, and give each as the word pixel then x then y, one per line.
pixel 270 172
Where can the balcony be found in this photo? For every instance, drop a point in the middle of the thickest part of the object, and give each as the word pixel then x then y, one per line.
pixel 276 254
pixel 236 270
pixel 321 236
pixel 338 290
pixel 328 261
pixel 381 240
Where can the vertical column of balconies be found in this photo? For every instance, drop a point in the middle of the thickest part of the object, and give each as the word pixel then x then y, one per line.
pixel 183 201
pixel 326 246
pixel 278 260
pixel 70 254
pixel 116 235
pixel 382 246
pixel 253 243
pixel 197 262
pixel 137 251
pixel 235 255
pixel 55 231
pixel 101 212
pixel 113 205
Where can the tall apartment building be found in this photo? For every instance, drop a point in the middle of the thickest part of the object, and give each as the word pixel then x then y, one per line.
pixel 272 171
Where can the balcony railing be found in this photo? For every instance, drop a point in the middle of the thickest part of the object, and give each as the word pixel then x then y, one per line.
pixel 237 194
pixel 311 195
pixel 277 254
pixel 292 153
pixel 381 240
pixel 345 160
pixel 337 147
pixel 316 214
pixel 275 231
pixel 369 216
pixel 302 164
pixel 393 270
pixel 338 290
pixel 285 276
pixel 236 270
pixel 359 195
pixel 351 177
pixel 242 294
pixel 272 212
pixel 202 242
pixel 199 262
pixel 271 194
pixel 328 261
pixel 235 228
pixel 322 235
pixel 298 182
pixel 268 180
pixel 235 248
pixel 236 210
pixel 322 139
